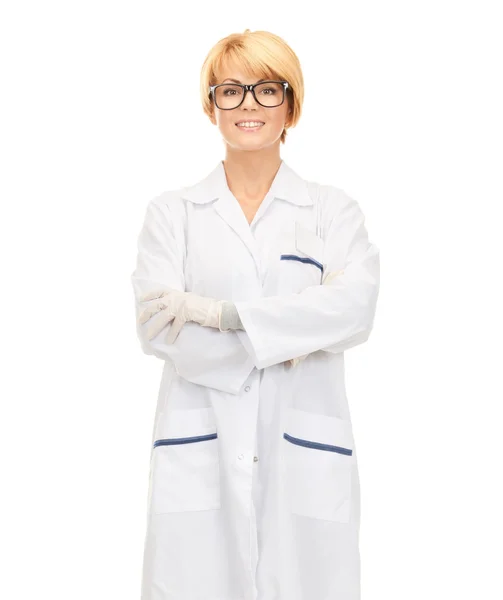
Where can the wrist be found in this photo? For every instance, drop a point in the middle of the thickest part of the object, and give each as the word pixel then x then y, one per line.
pixel 229 317
pixel 212 318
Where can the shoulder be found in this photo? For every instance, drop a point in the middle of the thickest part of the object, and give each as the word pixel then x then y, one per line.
pixel 334 201
pixel 168 205
pixel 166 213
pixel 168 200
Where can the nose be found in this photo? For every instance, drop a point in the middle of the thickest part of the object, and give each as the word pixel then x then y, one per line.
pixel 249 101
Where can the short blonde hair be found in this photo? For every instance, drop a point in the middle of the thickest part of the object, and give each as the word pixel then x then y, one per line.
pixel 259 53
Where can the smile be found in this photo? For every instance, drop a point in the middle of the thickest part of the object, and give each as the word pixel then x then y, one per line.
pixel 252 126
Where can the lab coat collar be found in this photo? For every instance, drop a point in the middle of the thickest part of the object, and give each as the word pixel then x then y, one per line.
pixel 287 185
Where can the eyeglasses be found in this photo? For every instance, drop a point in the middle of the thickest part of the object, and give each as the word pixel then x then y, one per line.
pixel 228 96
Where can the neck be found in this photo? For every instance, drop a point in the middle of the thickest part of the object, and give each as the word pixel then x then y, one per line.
pixel 250 174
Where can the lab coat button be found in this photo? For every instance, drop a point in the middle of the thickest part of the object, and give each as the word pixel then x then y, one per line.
pixel 255 458
pixel 247 388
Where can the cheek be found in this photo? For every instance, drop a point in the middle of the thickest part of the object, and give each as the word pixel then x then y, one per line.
pixel 226 122
pixel 278 117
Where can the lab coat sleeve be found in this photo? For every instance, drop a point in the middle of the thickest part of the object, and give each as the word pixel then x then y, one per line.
pixel 332 317
pixel 201 355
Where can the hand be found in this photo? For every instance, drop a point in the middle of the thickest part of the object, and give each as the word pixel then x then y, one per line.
pixel 179 307
pixel 329 277
pixel 293 362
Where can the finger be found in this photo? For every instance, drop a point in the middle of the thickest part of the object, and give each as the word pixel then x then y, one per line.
pixel 152 310
pixel 331 276
pixel 175 329
pixel 154 294
pixel 145 315
pixel 157 325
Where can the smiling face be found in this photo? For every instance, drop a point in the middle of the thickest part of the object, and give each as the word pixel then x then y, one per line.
pixel 274 119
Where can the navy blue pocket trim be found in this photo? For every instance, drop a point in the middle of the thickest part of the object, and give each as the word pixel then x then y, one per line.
pixel 317 445
pixel 186 440
pixel 302 259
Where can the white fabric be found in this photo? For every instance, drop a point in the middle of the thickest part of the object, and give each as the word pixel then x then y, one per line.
pixel 326 280
pixel 254 489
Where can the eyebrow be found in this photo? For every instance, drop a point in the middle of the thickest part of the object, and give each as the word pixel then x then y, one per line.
pixel 237 80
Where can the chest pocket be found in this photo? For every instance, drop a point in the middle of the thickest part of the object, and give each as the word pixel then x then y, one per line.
pixel 297 260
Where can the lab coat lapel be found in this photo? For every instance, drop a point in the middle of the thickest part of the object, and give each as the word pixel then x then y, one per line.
pixel 231 212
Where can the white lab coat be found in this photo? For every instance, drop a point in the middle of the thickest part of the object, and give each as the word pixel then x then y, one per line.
pixel 254 489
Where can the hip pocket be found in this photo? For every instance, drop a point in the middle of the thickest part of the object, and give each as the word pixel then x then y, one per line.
pixel 185 471
pixel 319 464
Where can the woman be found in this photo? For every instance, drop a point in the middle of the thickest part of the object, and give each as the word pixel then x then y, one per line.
pixel 250 285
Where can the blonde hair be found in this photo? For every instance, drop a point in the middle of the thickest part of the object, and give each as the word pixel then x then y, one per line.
pixel 259 53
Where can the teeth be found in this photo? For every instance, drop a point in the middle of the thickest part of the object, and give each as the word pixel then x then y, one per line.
pixel 251 124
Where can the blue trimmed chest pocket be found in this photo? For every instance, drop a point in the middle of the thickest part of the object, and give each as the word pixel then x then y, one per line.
pixel 185 467
pixel 300 260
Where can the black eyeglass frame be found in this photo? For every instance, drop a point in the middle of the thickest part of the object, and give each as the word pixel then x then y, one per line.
pixel 251 87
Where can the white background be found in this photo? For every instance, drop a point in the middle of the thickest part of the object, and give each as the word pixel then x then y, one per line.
pixel 101 112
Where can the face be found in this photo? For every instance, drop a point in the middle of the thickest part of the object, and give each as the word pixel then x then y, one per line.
pixel 274 119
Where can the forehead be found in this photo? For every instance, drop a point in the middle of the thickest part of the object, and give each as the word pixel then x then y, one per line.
pixel 241 72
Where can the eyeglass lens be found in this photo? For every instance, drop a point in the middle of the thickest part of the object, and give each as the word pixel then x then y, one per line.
pixel 230 95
